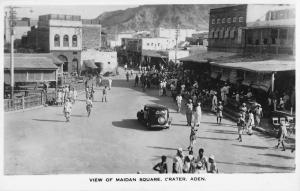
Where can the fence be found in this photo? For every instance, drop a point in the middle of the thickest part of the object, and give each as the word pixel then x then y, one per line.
pixel 28 101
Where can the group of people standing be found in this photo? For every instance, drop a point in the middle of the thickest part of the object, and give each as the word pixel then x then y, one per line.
pixel 188 163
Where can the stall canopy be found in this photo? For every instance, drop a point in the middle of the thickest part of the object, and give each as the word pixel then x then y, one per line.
pixel 205 57
pixel 54 59
pixel 155 53
pixel 266 66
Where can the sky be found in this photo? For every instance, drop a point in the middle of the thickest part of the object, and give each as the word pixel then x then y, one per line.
pixel 86 11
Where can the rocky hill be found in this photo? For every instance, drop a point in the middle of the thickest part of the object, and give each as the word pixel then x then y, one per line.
pixel 147 17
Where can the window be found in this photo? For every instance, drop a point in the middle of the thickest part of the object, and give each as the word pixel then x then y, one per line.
pixel 158 44
pixel 108 62
pixel 241 19
pixel 148 44
pixel 151 44
pixel 56 40
pixel 218 21
pixel 223 20
pixel 234 19
pixel 66 41
pixel 213 21
pixel 74 41
pixel 228 20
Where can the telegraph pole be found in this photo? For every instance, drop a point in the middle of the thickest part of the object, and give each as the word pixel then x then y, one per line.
pixel 12 17
pixel 177 34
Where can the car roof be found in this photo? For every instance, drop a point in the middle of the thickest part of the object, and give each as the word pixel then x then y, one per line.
pixel 156 106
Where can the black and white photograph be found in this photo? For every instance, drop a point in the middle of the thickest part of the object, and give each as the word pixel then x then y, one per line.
pixel 143 88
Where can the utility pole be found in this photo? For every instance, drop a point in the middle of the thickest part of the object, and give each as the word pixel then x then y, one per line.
pixel 177 34
pixel 12 22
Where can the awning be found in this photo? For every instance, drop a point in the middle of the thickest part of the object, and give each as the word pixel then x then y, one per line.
pixel 30 63
pixel 89 64
pixel 155 53
pixel 266 66
pixel 205 57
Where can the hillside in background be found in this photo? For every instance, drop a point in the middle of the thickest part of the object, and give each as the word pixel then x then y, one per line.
pixel 147 17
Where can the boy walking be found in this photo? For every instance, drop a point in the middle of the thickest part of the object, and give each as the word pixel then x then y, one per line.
pixel 219 112
pixel 240 125
pixel 178 100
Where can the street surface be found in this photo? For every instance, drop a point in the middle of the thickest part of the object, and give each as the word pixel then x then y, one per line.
pixel 111 140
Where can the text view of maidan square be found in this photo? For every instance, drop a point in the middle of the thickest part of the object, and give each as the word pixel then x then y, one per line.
pixel 149 89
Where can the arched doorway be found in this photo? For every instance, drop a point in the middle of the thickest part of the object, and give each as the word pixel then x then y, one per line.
pixel 75 66
pixel 64 59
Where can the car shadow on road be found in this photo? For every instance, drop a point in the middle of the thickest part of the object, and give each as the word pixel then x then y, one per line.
pixel 130 124
pixel 275 155
pixel 215 124
pixel 259 165
pixel 49 120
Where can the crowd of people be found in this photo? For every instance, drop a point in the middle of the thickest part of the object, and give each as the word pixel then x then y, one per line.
pixel 188 163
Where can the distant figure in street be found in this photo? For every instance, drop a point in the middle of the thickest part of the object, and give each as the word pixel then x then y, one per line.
pixel 164 87
pixel 214 103
pixel 189 112
pixel 109 83
pixel 92 93
pixel 98 81
pixel 240 125
pixel 59 97
pixel 131 72
pixel 178 162
pixel 250 123
pixel 89 105
pixel 67 109
pixel 104 94
pixel 178 100
pixel 127 76
pixel 258 115
pixel 281 135
pixel 125 67
pixel 219 112
pixel 136 81
pixel 193 137
pixel 244 110
pixel 73 95
pixel 162 167
pixel 140 68
pixel 160 88
pixel 198 114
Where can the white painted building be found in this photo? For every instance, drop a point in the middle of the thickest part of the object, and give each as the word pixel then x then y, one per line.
pixel 171 33
pixel 106 60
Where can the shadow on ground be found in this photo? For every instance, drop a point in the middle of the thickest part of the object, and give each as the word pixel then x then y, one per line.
pixel 129 124
pixel 258 165
pixel 216 139
pixel 222 131
pixel 49 120
pixel 276 155
pixel 164 148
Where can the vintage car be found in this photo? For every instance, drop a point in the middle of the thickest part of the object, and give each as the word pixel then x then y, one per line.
pixel 154 116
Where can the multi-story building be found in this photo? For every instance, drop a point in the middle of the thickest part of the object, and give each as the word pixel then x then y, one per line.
pixel 226 24
pixel 91 34
pixel 60 35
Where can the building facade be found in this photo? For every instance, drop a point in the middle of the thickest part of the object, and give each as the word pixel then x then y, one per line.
pixel 91 34
pixel 227 24
pixel 171 33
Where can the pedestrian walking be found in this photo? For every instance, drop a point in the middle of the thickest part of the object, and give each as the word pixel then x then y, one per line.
pixel 219 112
pixel 67 110
pixel 160 89
pixel 136 81
pixel 189 112
pixel 164 87
pixel 92 93
pixel 131 73
pixel 193 137
pixel 198 114
pixel 89 105
pixel 258 115
pixel 127 76
pixel 281 135
pixel 212 165
pixel 140 68
pixel 179 99
pixel 104 94
pixel 250 123
pixel 240 125
pixel 109 83
pixel 162 167
pixel 178 162
pixel 214 103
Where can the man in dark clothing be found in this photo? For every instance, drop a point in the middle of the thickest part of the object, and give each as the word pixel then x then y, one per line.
pixel 136 81
pixel 162 167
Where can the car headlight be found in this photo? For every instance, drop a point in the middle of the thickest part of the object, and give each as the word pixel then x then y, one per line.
pixel 161 120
